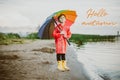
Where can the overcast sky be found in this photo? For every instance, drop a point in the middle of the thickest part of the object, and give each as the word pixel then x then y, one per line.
pixel 27 15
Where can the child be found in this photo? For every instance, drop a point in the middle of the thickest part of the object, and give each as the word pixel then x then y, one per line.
pixel 61 32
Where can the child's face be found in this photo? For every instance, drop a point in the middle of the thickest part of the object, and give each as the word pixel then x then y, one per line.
pixel 62 19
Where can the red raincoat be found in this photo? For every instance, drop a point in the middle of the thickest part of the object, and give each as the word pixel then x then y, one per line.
pixel 60 41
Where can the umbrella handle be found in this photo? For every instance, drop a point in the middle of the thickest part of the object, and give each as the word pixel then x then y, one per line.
pixel 61 30
pixel 68 41
pixel 56 24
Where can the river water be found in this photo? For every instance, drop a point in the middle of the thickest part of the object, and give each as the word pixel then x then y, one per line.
pixel 101 60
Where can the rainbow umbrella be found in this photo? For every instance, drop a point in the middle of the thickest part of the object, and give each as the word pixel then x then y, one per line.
pixel 46 30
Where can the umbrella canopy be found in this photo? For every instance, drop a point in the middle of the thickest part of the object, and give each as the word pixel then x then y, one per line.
pixel 45 31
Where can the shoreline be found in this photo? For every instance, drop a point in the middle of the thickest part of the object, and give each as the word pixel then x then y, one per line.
pixel 27 62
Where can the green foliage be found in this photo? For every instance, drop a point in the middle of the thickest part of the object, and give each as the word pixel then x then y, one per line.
pixel 82 38
pixel 4 36
pixel 13 36
pixel 9 38
pixel 32 36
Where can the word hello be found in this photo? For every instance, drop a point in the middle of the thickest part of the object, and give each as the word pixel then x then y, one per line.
pixel 101 13
pixel 97 13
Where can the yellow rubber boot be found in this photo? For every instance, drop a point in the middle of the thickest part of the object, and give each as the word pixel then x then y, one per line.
pixel 65 65
pixel 60 67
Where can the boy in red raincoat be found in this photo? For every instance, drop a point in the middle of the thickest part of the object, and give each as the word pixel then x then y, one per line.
pixel 61 32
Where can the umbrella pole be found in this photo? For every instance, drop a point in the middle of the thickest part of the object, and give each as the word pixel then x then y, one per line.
pixel 60 30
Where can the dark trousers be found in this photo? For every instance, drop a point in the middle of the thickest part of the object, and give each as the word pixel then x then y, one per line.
pixel 60 57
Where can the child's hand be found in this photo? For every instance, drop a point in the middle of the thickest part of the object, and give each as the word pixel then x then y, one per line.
pixel 62 33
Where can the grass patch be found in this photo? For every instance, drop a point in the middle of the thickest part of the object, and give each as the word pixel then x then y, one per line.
pixel 10 38
pixel 11 41
pixel 14 38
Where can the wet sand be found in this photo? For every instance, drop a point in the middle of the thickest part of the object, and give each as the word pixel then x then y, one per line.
pixel 36 61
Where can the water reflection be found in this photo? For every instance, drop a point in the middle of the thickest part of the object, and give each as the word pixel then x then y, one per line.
pixel 101 59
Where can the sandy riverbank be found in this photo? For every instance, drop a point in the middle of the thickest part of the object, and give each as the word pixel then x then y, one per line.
pixel 30 61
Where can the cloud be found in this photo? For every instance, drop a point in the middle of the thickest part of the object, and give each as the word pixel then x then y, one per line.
pixel 14 19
